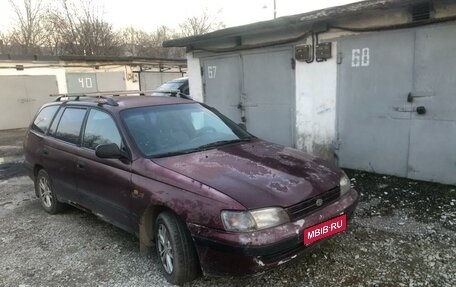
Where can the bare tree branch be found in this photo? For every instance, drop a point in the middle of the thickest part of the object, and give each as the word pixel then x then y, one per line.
pixel 28 33
pixel 202 24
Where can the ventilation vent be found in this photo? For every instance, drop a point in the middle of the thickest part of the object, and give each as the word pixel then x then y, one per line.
pixel 421 12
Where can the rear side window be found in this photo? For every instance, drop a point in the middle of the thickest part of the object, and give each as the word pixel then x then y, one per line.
pixel 69 127
pixel 43 119
pixel 100 129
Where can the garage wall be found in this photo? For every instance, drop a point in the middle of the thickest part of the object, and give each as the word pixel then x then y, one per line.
pixel 316 85
pixel 195 79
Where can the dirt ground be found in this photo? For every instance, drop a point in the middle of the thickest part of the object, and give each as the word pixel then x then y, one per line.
pixel 403 234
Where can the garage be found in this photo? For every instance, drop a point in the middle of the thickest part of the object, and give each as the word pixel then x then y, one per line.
pixel 397 102
pixel 22 96
pixel 368 85
pixel 27 81
pixel 255 88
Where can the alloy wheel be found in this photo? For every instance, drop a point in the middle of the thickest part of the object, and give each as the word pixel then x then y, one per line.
pixel 165 249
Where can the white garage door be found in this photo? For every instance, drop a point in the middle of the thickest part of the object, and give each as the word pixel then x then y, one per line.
pixel 22 96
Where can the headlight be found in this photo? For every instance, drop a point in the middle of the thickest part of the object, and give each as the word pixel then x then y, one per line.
pixel 245 221
pixel 345 184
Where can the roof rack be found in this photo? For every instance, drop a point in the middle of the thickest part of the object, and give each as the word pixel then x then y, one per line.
pixel 107 96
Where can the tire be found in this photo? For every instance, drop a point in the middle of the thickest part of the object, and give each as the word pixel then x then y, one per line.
pixel 46 194
pixel 172 238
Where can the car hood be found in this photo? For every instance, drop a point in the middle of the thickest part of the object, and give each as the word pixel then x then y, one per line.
pixel 257 173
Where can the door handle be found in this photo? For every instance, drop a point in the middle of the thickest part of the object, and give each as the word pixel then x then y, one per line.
pixel 80 165
pixel 421 110
pixel 410 96
pixel 45 151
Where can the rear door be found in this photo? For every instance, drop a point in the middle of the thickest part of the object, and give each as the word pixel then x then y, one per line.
pixel 60 151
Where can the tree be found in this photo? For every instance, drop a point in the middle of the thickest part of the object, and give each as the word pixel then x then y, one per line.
pixel 139 43
pixel 28 34
pixel 201 24
pixel 84 32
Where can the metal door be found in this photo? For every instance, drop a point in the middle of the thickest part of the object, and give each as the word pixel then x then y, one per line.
pixel 268 97
pixel 152 80
pixel 38 90
pixel 111 81
pixel 22 96
pixel 81 82
pixel 222 83
pixel 373 115
pixel 432 154
pixel 14 111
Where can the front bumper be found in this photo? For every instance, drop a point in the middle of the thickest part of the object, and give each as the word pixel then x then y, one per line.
pixel 229 253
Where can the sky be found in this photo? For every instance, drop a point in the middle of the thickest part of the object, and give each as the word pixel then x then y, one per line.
pixel 150 14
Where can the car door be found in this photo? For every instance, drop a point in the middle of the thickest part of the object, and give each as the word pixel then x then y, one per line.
pixel 104 184
pixel 59 152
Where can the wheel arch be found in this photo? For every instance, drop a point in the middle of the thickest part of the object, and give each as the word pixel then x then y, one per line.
pixel 147 225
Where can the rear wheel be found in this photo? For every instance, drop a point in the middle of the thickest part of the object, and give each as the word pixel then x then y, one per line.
pixel 44 190
pixel 175 250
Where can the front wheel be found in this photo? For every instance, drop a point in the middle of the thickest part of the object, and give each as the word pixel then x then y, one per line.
pixel 43 186
pixel 175 250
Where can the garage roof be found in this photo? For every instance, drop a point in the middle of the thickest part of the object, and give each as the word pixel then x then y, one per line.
pixel 294 20
pixel 75 58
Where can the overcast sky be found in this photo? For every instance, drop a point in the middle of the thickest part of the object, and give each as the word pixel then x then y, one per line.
pixel 149 14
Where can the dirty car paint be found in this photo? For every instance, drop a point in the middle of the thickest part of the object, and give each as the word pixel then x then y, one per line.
pixel 257 173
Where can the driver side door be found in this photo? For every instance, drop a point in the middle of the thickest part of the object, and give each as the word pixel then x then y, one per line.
pixel 104 184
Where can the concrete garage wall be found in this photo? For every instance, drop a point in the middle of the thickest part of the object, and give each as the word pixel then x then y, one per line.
pixel 195 79
pixel 316 85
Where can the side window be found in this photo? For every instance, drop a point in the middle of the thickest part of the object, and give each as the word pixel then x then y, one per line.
pixel 100 129
pixel 56 121
pixel 69 127
pixel 44 118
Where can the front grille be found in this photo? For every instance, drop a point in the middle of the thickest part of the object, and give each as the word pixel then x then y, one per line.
pixel 305 207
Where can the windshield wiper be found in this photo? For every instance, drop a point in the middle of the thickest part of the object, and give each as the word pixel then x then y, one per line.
pixel 221 143
pixel 203 147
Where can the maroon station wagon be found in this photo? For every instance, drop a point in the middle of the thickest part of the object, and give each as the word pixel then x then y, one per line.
pixel 206 194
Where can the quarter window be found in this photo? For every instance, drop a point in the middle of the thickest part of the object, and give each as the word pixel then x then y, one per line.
pixel 69 127
pixel 44 118
pixel 100 129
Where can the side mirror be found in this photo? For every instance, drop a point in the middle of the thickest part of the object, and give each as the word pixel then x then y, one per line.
pixel 110 150
pixel 242 126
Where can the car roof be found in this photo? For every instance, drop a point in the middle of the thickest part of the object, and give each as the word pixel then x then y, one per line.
pixel 126 102
pixel 183 79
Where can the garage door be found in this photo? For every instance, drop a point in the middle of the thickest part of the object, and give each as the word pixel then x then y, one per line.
pixel 256 88
pixel 21 98
pixel 95 82
pixel 152 80
pixel 396 103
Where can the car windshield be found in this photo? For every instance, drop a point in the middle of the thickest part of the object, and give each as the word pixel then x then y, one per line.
pixel 168 130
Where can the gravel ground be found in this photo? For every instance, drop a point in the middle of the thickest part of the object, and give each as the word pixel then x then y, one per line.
pixel 403 234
